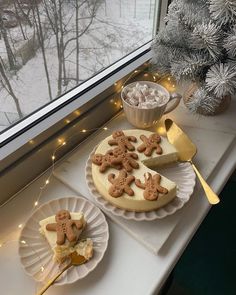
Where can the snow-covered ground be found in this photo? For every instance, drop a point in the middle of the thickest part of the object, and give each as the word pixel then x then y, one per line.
pixel 120 26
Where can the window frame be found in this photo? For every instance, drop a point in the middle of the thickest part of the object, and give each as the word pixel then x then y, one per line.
pixel 30 127
pixel 20 146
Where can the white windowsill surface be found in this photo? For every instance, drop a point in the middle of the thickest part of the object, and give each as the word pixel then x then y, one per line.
pixel 128 267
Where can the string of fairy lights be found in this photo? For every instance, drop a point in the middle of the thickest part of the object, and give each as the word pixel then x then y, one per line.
pixel 165 81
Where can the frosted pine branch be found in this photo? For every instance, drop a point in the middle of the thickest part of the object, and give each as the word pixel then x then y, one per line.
pixel 223 11
pixel 197 34
pixel 208 36
pixel 173 10
pixel 221 79
pixel 230 43
pixel 160 61
pixel 190 66
pixel 193 13
pixel 203 101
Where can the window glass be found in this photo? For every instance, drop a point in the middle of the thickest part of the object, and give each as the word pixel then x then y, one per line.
pixel 47 47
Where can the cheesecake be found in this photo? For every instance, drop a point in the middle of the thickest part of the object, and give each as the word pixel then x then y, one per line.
pixel 63 235
pixel 125 170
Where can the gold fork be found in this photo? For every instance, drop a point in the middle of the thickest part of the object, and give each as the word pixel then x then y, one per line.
pixel 75 260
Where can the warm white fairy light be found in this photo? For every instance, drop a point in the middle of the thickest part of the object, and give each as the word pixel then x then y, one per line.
pixel 62 142
pixel 53 157
pixel 47 181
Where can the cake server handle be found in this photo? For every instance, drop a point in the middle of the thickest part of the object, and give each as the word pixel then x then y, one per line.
pixel 211 196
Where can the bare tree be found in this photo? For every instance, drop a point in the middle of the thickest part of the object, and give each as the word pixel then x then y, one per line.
pixel 23 14
pixel 19 20
pixel 10 55
pixel 51 9
pixel 68 33
pixel 62 32
pixel 38 24
pixel 77 40
pixel 7 86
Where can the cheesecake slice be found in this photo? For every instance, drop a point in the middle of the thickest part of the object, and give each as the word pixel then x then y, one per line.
pixel 49 229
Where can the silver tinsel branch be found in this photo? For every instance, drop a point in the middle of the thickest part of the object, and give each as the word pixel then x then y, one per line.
pixel 193 13
pixel 221 79
pixel 223 11
pixel 198 44
pixel 189 66
pixel 160 61
pixel 208 36
pixel 203 102
pixel 230 43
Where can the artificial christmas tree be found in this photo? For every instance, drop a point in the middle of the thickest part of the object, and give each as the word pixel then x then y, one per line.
pixel 198 45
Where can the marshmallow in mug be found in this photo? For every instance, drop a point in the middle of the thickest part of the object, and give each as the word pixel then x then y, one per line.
pixel 143 96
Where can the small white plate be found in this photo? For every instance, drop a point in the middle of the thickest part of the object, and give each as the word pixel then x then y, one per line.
pixel 36 253
pixel 181 173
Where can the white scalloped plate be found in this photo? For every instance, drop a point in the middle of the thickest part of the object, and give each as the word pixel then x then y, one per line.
pixel 181 173
pixel 35 252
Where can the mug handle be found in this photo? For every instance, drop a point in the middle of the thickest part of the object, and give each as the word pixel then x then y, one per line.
pixel 176 96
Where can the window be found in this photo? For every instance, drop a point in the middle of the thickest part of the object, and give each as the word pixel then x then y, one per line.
pixel 50 46
pixel 59 58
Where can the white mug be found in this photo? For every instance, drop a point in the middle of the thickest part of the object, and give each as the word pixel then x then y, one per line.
pixel 145 118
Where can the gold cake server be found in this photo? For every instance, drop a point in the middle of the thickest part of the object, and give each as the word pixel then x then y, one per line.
pixel 75 260
pixel 186 151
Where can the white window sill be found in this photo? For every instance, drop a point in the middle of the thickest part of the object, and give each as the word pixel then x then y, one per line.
pixel 126 262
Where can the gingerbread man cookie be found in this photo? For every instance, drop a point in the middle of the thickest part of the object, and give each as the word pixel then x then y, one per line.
pixel 120 184
pixel 64 227
pixel 125 159
pixel 123 141
pixel 104 161
pixel 149 144
pixel 151 186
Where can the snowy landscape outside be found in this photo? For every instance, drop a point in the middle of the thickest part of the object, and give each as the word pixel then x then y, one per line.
pixel 47 47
